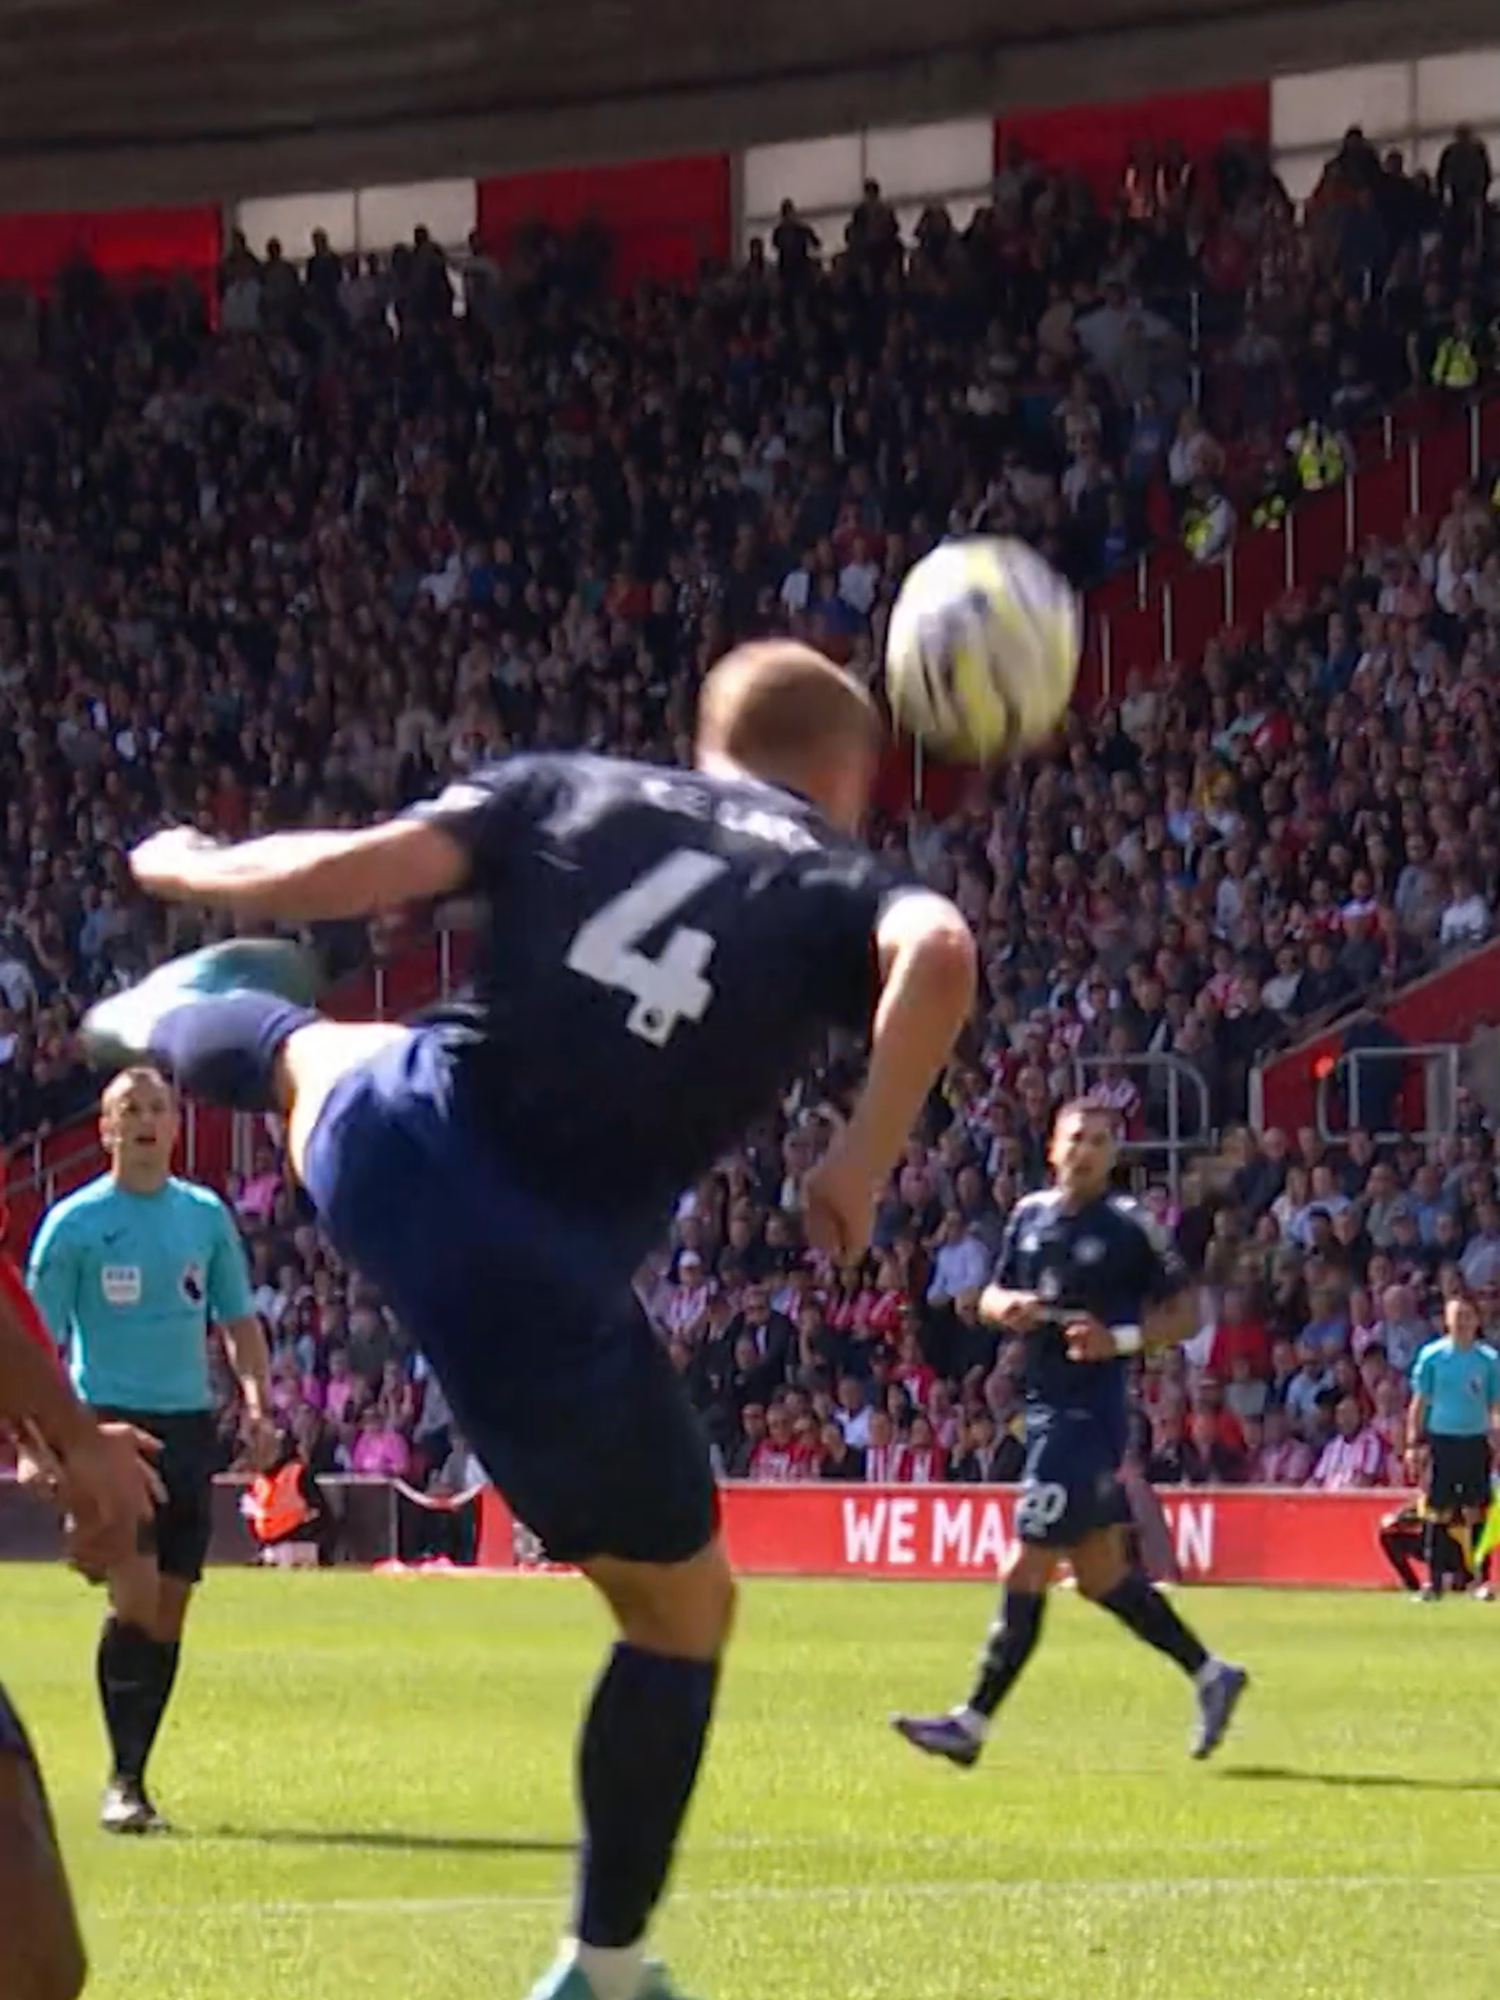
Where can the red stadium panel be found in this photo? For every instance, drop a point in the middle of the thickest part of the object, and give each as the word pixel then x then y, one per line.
pixel 1318 539
pixel 1096 140
pixel 1259 561
pixel 122 244
pixel 1194 612
pixel 1134 640
pixel 1489 431
pixel 1119 592
pixel 1442 466
pixel 664 216
pixel 1381 498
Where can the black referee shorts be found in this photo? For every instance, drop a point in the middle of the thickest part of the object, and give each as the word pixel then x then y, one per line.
pixel 1459 1479
pixel 179 1533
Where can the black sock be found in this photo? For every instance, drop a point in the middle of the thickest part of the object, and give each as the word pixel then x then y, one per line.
pixel 158 1694
pixel 224 1049
pixel 1008 1647
pixel 129 1672
pixel 637 1763
pixel 1136 1602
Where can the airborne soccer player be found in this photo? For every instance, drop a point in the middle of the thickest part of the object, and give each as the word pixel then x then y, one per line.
pixel 659 952
pixel 1084 1276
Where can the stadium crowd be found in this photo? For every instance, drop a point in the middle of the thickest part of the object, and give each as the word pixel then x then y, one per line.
pixel 306 560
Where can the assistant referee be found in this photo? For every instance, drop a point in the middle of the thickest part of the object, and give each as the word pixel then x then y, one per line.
pixel 1455 1402
pixel 130 1272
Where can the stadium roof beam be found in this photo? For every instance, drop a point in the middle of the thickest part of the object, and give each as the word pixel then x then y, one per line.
pixel 168 100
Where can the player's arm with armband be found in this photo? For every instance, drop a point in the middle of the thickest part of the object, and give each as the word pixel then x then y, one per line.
pixel 1168 1313
pixel 928 972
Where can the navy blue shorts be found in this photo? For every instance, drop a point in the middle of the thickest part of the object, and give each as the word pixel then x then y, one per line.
pixel 528 1316
pixel 1071 1482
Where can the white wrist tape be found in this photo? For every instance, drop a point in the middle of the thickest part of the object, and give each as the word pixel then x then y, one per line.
pixel 1128 1339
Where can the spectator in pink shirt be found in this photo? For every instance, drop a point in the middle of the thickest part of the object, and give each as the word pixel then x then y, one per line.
pixel 378 1451
pixel 342 1387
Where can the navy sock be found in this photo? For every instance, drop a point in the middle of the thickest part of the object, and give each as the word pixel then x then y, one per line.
pixel 637 1763
pixel 1009 1646
pixel 224 1049
pixel 1137 1602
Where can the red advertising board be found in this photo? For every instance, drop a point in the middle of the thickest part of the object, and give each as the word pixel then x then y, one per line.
pixel 1220 1534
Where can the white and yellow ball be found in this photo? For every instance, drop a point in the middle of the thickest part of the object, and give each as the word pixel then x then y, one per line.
pixel 981 653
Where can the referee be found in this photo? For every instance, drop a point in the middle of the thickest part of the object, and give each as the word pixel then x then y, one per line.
pixel 129 1273
pixel 1455 1400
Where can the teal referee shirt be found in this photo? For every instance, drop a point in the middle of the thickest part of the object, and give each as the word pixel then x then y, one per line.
pixel 1460 1386
pixel 128 1285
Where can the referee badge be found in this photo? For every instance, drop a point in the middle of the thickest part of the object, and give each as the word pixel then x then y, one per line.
pixel 120 1284
pixel 193 1284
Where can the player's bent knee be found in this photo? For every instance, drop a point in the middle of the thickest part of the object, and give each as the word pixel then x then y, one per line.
pixel 683 1610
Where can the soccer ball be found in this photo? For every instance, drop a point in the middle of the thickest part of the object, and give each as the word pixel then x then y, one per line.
pixel 982 649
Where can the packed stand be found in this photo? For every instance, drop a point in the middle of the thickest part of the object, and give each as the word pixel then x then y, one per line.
pixel 307 564
pixel 1323 1272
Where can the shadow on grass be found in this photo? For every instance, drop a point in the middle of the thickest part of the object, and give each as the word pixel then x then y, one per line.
pixel 387 1840
pixel 1370 1781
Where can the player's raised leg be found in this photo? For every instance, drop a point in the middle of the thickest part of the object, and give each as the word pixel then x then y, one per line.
pixel 1106 1577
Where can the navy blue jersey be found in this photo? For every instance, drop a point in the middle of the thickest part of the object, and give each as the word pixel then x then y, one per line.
pixel 1109 1260
pixel 658 953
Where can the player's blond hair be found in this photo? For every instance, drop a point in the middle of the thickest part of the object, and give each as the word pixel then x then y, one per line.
pixel 777 705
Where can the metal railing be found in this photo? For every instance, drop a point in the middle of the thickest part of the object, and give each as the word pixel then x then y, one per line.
pixel 1176 1113
pixel 1351 1076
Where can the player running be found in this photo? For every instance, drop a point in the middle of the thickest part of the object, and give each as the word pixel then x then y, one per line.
pixel 129 1273
pixel 107 1488
pixel 659 952
pixel 1086 1277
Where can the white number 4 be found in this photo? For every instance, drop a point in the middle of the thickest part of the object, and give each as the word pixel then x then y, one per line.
pixel 669 988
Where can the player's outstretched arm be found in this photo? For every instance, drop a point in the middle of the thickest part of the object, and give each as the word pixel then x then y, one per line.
pixel 928 974
pixel 305 877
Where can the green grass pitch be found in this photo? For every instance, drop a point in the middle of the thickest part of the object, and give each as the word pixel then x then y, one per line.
pixel 372 1785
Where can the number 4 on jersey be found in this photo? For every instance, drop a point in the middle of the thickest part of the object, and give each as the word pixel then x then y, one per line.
pixel 669 988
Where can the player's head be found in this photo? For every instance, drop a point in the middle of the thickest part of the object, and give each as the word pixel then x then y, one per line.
pixel 1461 1319
pixel 138 1128
pixel 1082 1152
pixel 783 712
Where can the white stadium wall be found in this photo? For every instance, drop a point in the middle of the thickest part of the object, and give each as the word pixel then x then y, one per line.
pixel 952 162
pixel 1413 105
pixel 373 219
